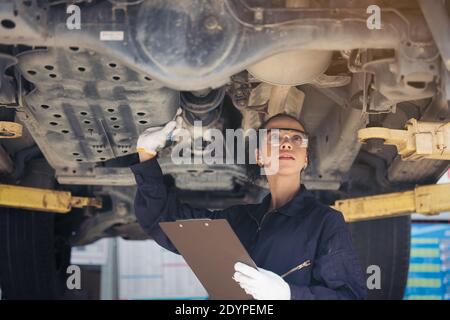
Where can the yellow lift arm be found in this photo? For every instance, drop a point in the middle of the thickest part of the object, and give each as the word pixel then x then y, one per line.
pixel 43 199
pixel 10 130
pixel 420 140
pixel 427 200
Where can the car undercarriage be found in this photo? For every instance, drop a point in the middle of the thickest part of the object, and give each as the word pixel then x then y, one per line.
pixel 84 95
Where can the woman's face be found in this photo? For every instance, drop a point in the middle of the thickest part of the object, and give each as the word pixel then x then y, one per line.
pixel 291 157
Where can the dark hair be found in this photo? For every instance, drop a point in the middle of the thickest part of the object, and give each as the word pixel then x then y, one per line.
pixel 281 115
pixel 252 169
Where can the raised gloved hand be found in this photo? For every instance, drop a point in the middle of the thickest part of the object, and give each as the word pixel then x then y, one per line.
pixel 154 139
pixel 260 283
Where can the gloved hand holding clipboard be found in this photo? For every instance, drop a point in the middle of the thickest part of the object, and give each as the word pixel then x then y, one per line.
pixel 210 248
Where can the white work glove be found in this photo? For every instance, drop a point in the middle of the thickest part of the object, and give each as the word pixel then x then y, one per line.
pixel 261 284
pixel 154 139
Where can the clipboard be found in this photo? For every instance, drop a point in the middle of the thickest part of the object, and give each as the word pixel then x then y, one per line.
pixel 211 248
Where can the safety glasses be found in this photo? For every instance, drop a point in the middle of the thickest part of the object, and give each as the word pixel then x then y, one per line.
pixel 275 137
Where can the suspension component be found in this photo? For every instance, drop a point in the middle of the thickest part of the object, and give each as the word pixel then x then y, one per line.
pixel 202 105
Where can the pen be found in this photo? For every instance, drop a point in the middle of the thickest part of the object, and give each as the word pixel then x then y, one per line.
pixel 300 266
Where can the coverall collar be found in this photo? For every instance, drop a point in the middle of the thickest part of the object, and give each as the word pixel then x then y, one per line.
pixel 293 207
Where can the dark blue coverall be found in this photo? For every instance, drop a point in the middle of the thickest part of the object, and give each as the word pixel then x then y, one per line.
pixel 303 229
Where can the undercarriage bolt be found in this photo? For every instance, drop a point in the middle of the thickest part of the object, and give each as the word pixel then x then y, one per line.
pixel 211 23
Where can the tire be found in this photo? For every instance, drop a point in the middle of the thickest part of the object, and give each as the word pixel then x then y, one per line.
pixel 33 258
pixel 385 243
